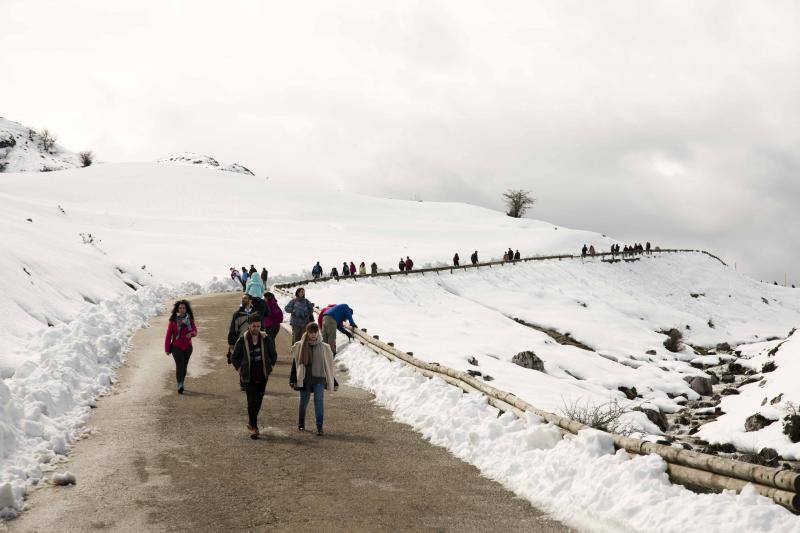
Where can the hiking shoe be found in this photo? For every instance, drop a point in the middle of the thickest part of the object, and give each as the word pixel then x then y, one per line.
pixel 180 388
pixel 300 428
pixel 320 432
pixel 253 431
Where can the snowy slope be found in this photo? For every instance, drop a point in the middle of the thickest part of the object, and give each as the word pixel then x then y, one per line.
pixel 21 150
pixel 183 223
pixel 616 310
pixel 769 396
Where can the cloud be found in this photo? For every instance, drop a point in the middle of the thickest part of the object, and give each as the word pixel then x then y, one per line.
pixel 654 120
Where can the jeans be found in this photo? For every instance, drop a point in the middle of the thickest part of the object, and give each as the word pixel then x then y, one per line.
pixel 319 392
pixel 181 362
pixel 255 395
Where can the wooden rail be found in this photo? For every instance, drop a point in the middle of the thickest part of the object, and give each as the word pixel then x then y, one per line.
pixel 683 466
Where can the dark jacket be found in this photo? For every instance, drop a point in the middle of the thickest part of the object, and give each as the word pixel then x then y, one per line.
pixel 239 324
pixel 241 358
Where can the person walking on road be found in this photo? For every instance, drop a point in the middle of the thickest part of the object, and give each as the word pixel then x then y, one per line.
pixel 312 371
pixel 455 259
pixel 255 288
pixel 474 257
pixel 333 320
pixel 239 322
pixel 252 271
pixel 264 276
pixel 254 356
pixel 178 341
pixel 302 313
pixel 274 316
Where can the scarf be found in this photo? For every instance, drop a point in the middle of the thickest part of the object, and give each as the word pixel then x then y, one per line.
pixel 183 321
pixel 305 350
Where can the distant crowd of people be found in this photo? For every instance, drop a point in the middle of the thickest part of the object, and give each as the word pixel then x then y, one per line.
pixel 403 265
pixel 626 250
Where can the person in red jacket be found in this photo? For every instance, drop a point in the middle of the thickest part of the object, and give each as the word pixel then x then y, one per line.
pixel 273 317
pixel 322 313
pixel 409 264
pixel 178 341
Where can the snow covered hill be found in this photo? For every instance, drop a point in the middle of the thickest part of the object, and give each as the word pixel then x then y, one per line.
pixel 92 234
pixel 22 150
pixel 204 161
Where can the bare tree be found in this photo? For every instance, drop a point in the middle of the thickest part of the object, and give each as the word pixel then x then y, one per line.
pixel 517 202
pixel 87 158
pixel 48 139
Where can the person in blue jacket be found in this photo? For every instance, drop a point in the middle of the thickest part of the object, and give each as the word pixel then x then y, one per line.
pixel 333 320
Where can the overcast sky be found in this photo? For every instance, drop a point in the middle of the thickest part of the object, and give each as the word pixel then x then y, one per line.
pixel 677 122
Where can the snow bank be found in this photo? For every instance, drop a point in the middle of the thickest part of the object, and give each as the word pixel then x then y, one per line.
pixel 581 481
pixel 44 406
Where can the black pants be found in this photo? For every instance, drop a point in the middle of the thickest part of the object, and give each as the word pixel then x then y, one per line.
pixel 181 362
pixel 255 395
pixel 272 331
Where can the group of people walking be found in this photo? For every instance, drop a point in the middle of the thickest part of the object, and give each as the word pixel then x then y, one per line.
pixel 404 265
pixel 252 332
pixel 347 270
pixel 615 249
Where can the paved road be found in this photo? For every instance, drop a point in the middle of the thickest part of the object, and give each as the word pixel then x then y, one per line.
pixel 158 461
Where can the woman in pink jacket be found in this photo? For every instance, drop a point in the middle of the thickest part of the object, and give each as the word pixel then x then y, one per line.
pixel 178 341
pixel 273 317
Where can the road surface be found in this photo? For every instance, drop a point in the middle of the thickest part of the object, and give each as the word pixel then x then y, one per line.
pixel 158 461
